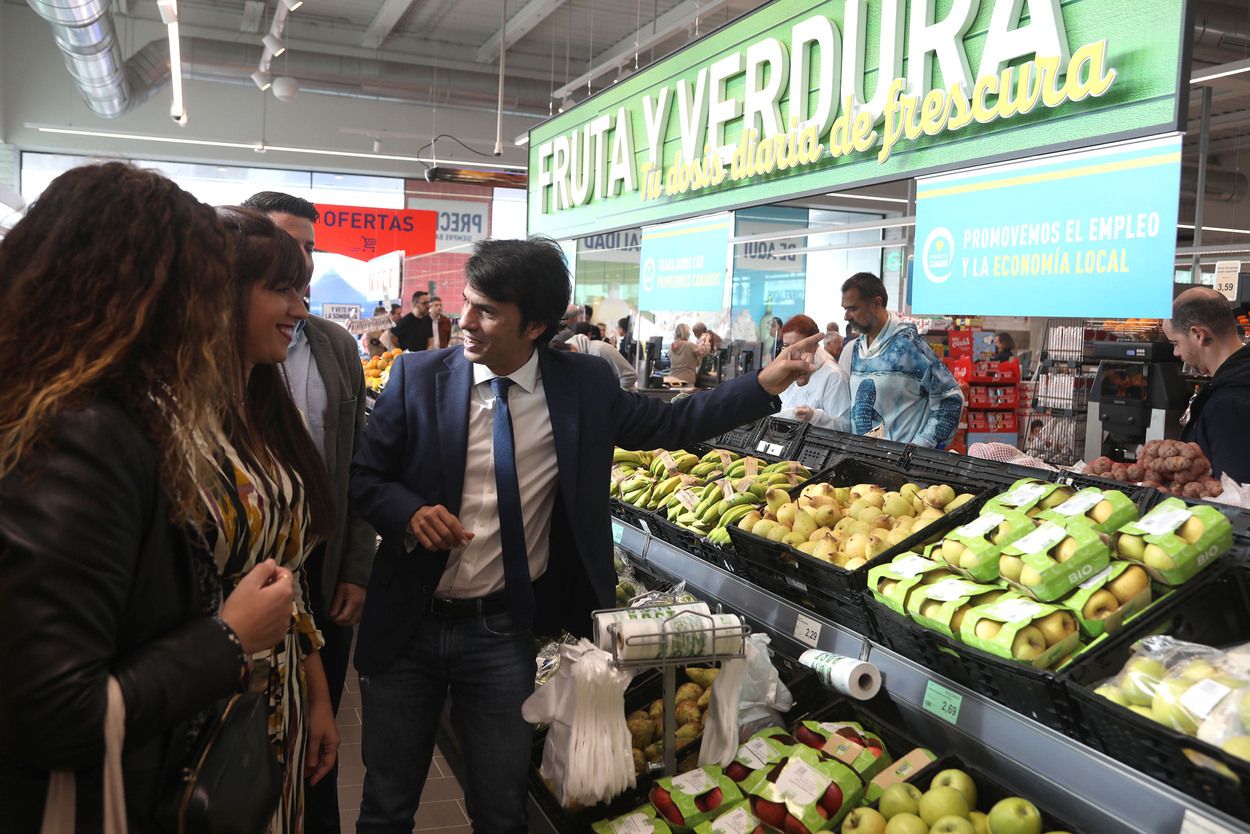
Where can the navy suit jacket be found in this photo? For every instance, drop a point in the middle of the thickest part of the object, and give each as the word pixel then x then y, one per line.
pixel 412 454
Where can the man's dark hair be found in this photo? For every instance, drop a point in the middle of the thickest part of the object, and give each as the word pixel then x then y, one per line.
pixel 275 202
pixel 531 274
pixel 623 324
pixel 435 298
pixel 1203 307
pixel 587 329
pixel 416 296
pixel 588 312
pixel 1036 424
pixel 396 307
pixel 868 286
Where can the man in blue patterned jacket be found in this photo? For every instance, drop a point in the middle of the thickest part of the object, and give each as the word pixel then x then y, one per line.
pixel 899 389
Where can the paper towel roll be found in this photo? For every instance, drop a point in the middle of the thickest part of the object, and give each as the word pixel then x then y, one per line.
pixel 686 635
pixel 647 612
pixel 855 678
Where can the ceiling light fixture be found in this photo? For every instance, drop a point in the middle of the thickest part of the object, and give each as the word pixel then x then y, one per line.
pixel 1220 71
pixel 471 176
pixel 177 140
pixel 169 16
pixel 292 5
pixel 522 140
pixel 1215 229
pixel 274 44
pixel 262 79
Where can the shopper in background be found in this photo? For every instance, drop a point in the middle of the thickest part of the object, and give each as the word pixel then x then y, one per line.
pixel 833 340
pixel 326 381
pixel 1204 335
pixel 706 340
pixel 683 359
pixel 101 475
pixel 844 356
pixel 376 342
pixel 825 399
pixel 415 330
pixel 274 500
pixel 396 313
pixel 483 470
pixel 440 325
pixel 603 331
pixel 899 388
pixel 586 329
pixel 1004 347
pixel 625 373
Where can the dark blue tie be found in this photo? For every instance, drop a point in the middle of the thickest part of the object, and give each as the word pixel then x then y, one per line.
pixel 518 591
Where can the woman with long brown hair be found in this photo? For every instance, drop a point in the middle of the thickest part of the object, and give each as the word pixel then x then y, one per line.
pixel 272 497
pixel 115 293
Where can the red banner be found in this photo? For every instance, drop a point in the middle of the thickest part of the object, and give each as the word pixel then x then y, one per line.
pixel 365 233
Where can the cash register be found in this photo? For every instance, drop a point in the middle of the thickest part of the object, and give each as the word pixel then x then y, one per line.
pixel 1138 395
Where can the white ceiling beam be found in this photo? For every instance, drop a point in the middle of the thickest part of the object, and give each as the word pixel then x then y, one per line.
pixel 384 22
pixel 659 30
pixel 519 25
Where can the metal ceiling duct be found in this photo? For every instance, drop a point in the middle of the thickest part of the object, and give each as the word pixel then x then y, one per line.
pixel 85 35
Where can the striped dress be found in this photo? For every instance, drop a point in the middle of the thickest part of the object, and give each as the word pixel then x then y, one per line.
pixel 260 514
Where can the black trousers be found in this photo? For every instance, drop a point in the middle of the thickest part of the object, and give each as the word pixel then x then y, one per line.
pixel 321 801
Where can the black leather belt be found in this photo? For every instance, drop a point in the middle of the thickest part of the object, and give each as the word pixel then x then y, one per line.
pixel 477 607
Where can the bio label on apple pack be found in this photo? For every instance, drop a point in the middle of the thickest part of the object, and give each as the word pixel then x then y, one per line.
pixel 736 821
pixel 801 782
pixel 1081 503
pixel 694 782
pixel 1046 536
pixel 757 753
pixel 1015 610
pixel 1203 697
pixel 1023 495
pixel 948 590
pixel 909 565
pixel 981 525
pixel 632 824
pixel 1163 520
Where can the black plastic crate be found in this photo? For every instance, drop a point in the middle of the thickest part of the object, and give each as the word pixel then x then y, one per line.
pixel 1143 497
pixel 1213 609
pixel 995 473
pixel 1040 694
pixel 989 790
pixel 692 543
pixel 874 450
pixel 821 447
pixel 740 439
pixel 778 439
pixel 838 591
pixel 630 514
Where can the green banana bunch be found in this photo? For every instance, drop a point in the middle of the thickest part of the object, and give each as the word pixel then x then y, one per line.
pixel 682 461
pixel 625 456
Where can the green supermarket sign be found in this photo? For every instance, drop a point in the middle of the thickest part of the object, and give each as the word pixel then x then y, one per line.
pixel 810 96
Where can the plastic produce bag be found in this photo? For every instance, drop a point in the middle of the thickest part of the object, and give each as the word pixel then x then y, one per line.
pixel 763 696
pixel 587 756
pixel 677 595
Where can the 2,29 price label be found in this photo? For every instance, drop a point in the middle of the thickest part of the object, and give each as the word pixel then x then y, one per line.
pixel 807 630
pixel 942 702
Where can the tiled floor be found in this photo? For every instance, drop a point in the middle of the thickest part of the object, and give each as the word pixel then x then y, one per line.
pixel 442 801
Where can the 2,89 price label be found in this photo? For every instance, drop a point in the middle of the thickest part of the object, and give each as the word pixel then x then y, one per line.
pixel 942 702
pixel 807 630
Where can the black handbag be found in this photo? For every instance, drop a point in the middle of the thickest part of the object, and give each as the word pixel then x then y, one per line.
pixel 230 781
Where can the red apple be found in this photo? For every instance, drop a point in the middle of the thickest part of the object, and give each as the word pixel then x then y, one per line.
pixel 875 749
pixel 663 802
pixel 809 737
pixel 794 826
pixel 850 733
pixel 820 809
pixel 711 799
pixel 832 800
pixel 737 771
pixel 770 813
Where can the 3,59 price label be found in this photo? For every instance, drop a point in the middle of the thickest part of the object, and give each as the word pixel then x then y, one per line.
pixel 942 702
pixel 807 630
pixel 617 532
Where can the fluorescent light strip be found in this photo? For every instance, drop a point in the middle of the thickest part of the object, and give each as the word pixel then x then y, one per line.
pixel 1220 71
pixel 868 198
pixel 169 16
pixel 1215 229
pixel 257 146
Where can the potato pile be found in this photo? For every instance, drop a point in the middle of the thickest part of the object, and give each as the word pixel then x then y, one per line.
pixel 1169 465
pixel 646 727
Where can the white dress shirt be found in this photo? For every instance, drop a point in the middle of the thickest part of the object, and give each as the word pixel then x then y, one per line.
pixel 476 570
pixel 307 387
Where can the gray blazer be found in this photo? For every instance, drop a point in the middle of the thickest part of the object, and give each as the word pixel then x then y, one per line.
pixel 349 554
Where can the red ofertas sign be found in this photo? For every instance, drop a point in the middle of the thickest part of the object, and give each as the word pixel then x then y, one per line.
pixel 365 233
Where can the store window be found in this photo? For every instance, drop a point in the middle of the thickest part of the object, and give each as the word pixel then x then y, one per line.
pixel 826 270
pixel 607 268
pixel 769 276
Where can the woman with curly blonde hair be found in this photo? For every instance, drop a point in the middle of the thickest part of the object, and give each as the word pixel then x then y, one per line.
pixel 109 394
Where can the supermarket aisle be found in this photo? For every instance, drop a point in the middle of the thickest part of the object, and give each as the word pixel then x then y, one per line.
pixel 442 804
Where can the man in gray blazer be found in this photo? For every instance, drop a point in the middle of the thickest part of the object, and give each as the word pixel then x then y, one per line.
pixel 327 382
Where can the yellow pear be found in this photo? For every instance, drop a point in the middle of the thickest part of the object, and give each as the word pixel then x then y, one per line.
pixel 748 521
pixel 959 500
pixel 776 498
pixel 856 546
pixel 1009 567
pixel 1028 576
pixel 1192 529
pixel 988 629
pixel 1156 557
pixel 951 551
pixel 786 514
pixel 852 564
pixel 804 524
pixel 1130 546
pixel 1066 549
pixel 793 539
pixel 1101 511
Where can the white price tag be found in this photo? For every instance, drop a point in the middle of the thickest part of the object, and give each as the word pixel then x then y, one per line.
pixel 1023 494
pixel 802 782
pixel 1013 610
pixel 1080 503
pixel 1165 520
pixel 632 824
pixel 1046 536
pixel 909 565
pixel 1195 823
pixel 807 630
pixel 757 753
pixel 1226 278
pixel 950 589
pixel 1096 579
pixel 1203 697
pixel 695 782
pixel 737 821
pixel 981 525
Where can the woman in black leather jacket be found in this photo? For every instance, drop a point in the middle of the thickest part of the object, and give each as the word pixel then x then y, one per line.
pixel 115 293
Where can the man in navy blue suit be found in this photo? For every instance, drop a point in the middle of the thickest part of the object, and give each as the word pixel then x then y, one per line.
pixel 485 468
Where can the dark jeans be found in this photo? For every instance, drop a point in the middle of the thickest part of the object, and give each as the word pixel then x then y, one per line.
pixel 486 665
pixel 321 801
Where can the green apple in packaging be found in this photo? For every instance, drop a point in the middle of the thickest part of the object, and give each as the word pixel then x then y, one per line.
pixel 813 790
pixel 1104 601
pixel 902 770
pixel 638 821
pixel 1030 496
pixel 1175 540
pixel 690 798
pixel 974 548
pixel 943 605
pixel 1054 559
pixel 1104 510
pixel 893 582
pixel 1018 628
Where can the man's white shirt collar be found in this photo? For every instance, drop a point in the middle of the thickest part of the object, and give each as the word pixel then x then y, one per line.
pixel 525 376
